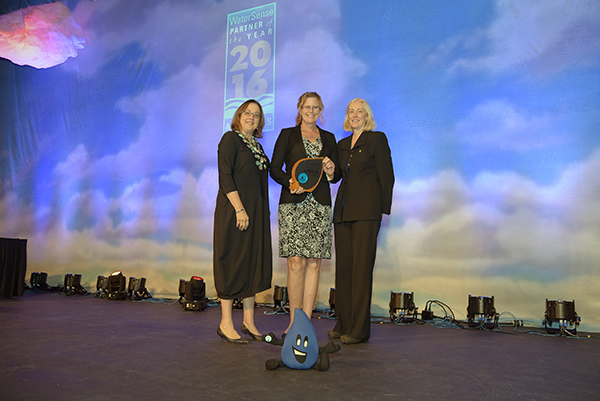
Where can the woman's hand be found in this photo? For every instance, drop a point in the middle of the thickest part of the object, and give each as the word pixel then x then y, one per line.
pixel 243 221
pixel 328 167
pixel 295 191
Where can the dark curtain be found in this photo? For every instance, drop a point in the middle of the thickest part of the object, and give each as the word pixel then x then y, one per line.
pixel 13 266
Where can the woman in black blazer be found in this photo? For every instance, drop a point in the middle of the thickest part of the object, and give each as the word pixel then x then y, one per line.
pixel 364 163
pixel 304 218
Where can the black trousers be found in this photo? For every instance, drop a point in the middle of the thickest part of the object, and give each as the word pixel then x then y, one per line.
pixel 355 248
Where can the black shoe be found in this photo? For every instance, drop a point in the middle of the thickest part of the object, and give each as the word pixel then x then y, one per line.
pixel 347 339
pixel 230 340
pixel 255 337
pixel 334 335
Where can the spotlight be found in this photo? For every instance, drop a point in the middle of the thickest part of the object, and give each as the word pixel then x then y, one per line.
pixel 38 281
pixel 101 287
pixel 116 286
pixel 72 284
pixel 563 313
pixel 402 307
pixel 280 299
pixel 182 289
pixel 481 312
pixel 33 279
pixel 193 294
pixel 136 289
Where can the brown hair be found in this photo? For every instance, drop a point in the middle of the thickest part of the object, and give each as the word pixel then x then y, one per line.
pixel 235 123
pixel 301 102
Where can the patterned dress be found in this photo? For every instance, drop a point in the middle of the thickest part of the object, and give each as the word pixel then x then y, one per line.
pixel 305 228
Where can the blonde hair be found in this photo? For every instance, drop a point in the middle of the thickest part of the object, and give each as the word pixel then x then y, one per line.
pixel 370 123
pixel 235 123
pixel 301 102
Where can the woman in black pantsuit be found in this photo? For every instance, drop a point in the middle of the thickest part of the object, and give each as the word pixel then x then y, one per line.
pixel 242 258
pixel 364 163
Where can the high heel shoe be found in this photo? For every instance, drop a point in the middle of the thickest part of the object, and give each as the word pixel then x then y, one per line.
pixel 230 340
pixel 255 337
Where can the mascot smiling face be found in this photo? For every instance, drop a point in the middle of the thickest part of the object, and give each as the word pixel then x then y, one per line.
pixel 300 349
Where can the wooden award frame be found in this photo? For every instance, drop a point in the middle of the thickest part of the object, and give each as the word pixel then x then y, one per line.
pixel 307 173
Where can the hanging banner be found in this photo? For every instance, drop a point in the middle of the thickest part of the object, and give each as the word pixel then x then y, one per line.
pixel 250 62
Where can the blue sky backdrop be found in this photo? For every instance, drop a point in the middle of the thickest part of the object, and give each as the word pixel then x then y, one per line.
pixel 108 161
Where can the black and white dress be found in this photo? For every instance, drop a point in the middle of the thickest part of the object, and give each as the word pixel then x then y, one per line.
pixel 305 228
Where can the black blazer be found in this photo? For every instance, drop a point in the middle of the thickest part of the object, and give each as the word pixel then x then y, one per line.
pixel 288 149
pixel 367 177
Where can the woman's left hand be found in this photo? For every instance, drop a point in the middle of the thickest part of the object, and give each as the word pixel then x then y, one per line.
pixel 242 220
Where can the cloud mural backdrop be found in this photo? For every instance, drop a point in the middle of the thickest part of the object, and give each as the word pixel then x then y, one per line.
pixel 108 161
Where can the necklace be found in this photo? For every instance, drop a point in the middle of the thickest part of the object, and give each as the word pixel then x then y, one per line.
pixel 310 134
pixel 259 154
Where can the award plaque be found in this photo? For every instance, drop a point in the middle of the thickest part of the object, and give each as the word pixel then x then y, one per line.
pixel 307 173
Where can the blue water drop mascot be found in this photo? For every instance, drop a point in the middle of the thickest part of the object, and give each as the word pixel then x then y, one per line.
pixel 300 349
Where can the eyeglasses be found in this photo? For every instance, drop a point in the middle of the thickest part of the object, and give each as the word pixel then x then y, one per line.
pixel 248 113
pixel 310 108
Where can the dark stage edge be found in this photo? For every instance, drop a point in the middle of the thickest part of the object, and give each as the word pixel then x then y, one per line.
pixel 55 347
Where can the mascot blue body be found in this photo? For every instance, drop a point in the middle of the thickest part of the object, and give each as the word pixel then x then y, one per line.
pixel 300 349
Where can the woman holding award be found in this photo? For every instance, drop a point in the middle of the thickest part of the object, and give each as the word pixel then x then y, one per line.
pixel 242 257
pixel 365 193
pixel 305 231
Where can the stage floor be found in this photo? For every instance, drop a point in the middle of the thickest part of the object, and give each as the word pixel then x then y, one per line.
pixel 55 347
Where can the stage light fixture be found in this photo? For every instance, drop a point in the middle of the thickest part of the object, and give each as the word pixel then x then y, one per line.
pixel 72 284
pixel 192 294
pixel 38 281
pixel 481 312
pixel 280 299
pixel 116 286
pixel 402 307
pixel 136 289
pixel 182 289
pixel 101 287
pixel 33 279
pixel 563 314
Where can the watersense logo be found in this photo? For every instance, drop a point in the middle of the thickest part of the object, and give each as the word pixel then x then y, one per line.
pixel 250 62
